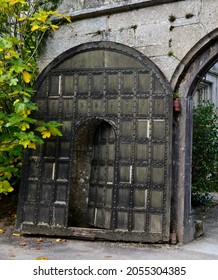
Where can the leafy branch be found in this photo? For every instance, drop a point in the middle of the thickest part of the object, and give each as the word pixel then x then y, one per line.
pixel 24 24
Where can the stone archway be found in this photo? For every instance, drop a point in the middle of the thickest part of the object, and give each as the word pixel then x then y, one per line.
pixel 117 84
pixel 185 80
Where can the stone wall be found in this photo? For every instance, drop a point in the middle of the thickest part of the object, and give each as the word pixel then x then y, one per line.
pixel 147 26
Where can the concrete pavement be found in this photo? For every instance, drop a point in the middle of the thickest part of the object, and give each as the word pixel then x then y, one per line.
pixel 30 247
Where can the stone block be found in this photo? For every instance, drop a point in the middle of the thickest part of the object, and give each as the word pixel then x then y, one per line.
pixel 184 38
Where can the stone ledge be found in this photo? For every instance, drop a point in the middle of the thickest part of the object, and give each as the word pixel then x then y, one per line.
pixel 83 11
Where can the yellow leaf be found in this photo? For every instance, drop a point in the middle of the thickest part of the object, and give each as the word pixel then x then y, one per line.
pixel 13 54
pixel 22 244
pixel 1 231
pixel 60 240
pixel 43 27
pixel 15 102
pixel 31 145
pixel 46 134
pixel 25 126
pixel 54 27
pixel 26 76
pixel 21 19
pixel 67 18
pixel 35 27
pixel 24 143
pixel 43 18
pixel 16 234
pixel 10 189
pixel 39 240
pixel 43 258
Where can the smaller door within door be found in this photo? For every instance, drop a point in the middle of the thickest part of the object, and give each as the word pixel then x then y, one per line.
pixel 102 177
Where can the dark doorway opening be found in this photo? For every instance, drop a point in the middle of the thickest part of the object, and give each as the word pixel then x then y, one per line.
pixel 90 202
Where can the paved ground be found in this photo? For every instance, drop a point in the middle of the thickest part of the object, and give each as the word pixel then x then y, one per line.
pixel 30 248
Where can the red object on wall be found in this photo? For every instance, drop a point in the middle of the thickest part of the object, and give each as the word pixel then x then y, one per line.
pixel 177 105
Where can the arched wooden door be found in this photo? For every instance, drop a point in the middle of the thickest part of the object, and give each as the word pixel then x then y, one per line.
pixel 130 183
pixel 100 200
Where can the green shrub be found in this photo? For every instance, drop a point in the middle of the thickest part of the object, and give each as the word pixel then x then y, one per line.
pixel 205 152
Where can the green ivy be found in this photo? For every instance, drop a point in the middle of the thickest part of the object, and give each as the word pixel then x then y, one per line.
pixel 24 24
